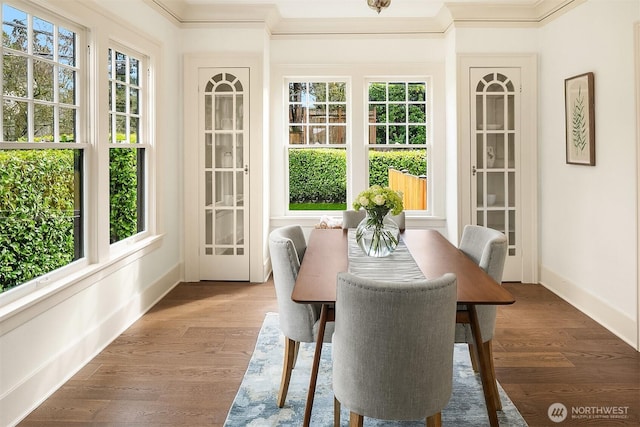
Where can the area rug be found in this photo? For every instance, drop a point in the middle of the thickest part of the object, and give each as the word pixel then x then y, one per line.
pixel 255 403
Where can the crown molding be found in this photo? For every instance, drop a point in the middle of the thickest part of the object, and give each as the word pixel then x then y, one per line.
pixel 486 14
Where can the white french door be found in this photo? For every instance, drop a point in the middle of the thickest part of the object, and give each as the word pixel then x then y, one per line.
pixel 223 155
pixel 495 158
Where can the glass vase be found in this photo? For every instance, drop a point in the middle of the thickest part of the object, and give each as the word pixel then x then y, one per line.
pixel 377 236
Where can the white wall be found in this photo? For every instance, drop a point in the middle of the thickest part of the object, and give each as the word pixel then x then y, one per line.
pixel 43 344
pixel 588 219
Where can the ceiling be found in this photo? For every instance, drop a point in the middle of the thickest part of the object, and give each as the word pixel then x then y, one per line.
pixel 429 15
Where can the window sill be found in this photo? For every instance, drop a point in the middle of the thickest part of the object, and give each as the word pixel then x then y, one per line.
pixel 309 220
pixel 17 312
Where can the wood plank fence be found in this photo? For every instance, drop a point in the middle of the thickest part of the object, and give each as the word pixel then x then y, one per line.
pixel 413 188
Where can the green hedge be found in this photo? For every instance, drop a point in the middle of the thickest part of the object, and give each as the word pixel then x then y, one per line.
pixel 319 175
pixel 38 212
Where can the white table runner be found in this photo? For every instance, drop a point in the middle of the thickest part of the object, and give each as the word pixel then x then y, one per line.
pixel 397 267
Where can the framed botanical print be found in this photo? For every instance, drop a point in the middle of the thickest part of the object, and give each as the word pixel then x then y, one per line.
pixel 580 120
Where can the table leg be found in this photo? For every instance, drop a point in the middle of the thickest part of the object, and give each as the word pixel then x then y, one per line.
pixel 486 374
pixel 324 314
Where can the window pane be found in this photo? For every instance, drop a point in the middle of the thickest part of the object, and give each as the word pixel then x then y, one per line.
pixel 43 80
pixel 121 67
pixel 43 118
pixel 134 66
pixel 126 162
pixel 40 211
pixel 66 47
pixel 67 125
pixel 14 28
pixel 67 86
pixel 403 170
pixel 42 38
pixel 317 179
pixel 15 75
pixel 126 197
pixel 15 123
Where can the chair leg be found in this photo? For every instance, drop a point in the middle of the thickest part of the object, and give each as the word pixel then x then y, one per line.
pixel 356 420
pixel 488 348
pixel 290 354
pixel 336 412
pixel 474 358
pixel 295 353
pixel 435 420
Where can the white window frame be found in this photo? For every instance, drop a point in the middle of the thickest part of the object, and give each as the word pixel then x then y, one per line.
pixel 357 154
pixel 429 128
pixel 143 141
pixel 288 146
pixel 100 257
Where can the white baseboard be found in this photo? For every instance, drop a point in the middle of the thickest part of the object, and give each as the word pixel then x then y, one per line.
pixel 45 380
pixel 611 318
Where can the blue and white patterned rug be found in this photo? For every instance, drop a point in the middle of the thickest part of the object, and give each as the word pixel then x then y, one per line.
pixel 255 404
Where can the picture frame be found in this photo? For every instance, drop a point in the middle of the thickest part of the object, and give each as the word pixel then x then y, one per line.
pixel 580 119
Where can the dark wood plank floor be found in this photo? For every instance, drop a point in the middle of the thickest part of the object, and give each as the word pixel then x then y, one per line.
pixel 182 363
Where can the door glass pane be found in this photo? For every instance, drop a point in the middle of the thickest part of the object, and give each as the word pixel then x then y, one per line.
pixel 240 227
pixel 224 150
pixel 240 188
pixel 208 192
pixel 224 188
pixel 496 220
pixel 208 227
pixel 495 186
pixel 480 151
pixel 239 150
pixel 511 112
pixel 224 227
pixel 512 151
pixel 512 189
pixel 208 112
pixel 480 189
pixel 239 114
pixel 208 152
pixel 495 150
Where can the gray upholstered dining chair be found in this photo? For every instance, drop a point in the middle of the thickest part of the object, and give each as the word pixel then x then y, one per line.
pixel 487 248
pixel 393 348
pixel 298 322
pixel 351 218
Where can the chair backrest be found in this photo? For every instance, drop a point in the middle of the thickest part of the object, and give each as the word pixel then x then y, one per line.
pixel 487 248
pixel 399 219
pixel 287 246
pixel 393 346
pixel 351 218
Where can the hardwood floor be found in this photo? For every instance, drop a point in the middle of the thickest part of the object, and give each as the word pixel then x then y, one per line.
pixel 182 363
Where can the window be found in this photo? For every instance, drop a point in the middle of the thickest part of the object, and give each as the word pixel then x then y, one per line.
pixel 127 146
pixel 397 140
pixel 317 127
pixel 51 180
pixel 42 150
pixel 389 149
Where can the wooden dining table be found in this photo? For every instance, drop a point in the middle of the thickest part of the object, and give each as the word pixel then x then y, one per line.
pixel 327 255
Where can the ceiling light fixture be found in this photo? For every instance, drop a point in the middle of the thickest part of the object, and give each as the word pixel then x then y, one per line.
pixel 378 5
